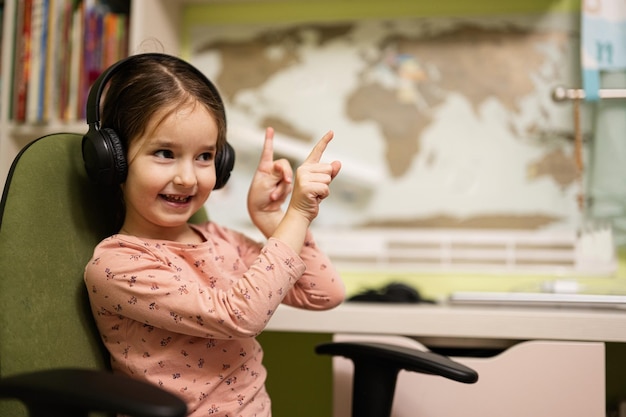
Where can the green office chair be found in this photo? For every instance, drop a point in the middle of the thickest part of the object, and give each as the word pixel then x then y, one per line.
pixel 51 357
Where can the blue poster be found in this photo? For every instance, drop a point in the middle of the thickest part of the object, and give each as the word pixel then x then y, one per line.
pixel 603 41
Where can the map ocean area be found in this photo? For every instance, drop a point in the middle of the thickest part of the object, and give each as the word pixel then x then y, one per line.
pixel 439 123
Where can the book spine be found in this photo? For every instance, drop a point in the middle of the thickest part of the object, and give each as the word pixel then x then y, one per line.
pixel 72 111
pixel 32 96
pixel 22 69
pixel 65 58
pixel 43 61
pixel 17 57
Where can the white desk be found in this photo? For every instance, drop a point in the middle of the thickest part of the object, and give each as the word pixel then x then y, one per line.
pixel 564 342
pixel 437 321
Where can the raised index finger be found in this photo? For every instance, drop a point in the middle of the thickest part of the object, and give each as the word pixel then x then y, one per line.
pixel 318 150
pixel 267 154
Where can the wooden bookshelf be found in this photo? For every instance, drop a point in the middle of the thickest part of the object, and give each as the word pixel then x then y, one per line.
pixel 60 47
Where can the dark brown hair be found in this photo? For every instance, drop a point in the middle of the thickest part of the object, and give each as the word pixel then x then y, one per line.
pixel 148 84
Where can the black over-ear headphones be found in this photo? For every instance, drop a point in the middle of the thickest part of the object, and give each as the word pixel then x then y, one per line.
pixel 103 151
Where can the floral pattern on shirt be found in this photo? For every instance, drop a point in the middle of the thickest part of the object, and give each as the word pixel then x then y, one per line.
pixel 185 316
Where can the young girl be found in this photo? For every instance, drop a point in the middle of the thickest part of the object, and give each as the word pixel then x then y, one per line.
pixel 181 304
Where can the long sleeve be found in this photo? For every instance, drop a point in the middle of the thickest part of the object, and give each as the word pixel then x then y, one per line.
pixel 320 287
pixel 206 290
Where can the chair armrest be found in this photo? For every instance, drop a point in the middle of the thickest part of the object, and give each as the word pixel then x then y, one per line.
pixel 376 368
pixel 79 391
pixel 400 357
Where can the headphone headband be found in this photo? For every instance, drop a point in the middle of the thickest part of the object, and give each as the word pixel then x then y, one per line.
pixel 95 93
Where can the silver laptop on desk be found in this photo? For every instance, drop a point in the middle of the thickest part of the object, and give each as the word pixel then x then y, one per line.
pixel 538 299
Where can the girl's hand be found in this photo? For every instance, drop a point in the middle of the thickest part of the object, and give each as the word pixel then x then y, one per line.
pixel 271 183
pixel 313 179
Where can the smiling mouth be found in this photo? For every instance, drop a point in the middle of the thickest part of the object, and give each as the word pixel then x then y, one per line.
pixel 176 198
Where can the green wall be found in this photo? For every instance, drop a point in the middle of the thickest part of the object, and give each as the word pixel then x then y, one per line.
pixel 440 285
pixel 299 381
pixel 337 10
pixel 327 10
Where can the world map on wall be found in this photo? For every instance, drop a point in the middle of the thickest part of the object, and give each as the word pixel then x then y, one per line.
pixel 443 122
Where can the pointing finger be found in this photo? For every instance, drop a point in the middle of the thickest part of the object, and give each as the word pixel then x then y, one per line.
pixel 318 150
pixel 267 154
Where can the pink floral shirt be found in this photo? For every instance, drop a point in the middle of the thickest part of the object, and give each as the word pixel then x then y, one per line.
pixel 185 316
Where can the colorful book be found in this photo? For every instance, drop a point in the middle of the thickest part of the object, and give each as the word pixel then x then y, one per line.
pixel 61 47
pixel 22 61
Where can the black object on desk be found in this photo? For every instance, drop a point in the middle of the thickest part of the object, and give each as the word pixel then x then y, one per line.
pixel 392 293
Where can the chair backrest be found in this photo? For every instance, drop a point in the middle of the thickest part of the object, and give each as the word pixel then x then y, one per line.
pixel 51 218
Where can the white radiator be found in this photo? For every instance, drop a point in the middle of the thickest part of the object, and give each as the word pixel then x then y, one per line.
pixel 591 252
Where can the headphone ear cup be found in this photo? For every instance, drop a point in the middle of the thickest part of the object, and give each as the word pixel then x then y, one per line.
pixel 103 154
pixel 224 164
pixel 120 166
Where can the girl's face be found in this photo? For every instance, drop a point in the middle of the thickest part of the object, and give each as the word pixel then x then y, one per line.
pixel 171 172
